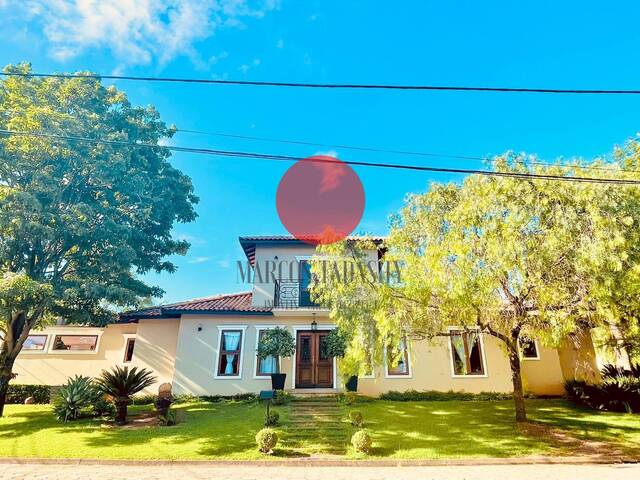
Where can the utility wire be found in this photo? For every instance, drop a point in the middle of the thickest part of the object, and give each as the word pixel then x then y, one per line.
pixel 358 86
pixel 385 150
pixel 262 156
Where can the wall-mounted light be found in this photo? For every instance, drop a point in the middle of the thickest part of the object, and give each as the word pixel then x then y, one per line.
pixel 314 324
pixel 200 327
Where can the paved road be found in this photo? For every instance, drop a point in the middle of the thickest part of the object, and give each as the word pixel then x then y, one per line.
pixel 238 472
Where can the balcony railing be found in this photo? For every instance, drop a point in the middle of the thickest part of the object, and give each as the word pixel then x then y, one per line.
pixel 291 295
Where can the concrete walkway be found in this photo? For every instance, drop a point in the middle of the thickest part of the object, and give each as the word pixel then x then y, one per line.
pixel 305 472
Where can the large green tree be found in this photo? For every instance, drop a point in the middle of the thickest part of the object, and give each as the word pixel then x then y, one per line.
pixel 80 221
pixel 509 257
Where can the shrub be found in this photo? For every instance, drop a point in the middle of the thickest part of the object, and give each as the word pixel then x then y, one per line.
pixel 168 418
pixel 102 406
pixel 614 393
pixel 78 393
pixel 348 398
pixel 434 395
pixel 361 441
pixel 355 417
pixel 281 398
pixel 267 439
pixel 238 397
pixel 143 399
pixel 272 419
pixel 120 383
pixel 335 343
pixel 18 393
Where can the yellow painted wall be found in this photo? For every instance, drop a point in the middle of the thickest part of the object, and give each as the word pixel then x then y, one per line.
pixel 56 368
pixel 543 376
pixel 578 358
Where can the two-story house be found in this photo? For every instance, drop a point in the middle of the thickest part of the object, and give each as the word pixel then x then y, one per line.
pixel 207 346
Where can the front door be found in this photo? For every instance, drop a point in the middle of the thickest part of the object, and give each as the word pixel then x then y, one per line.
pixel 314 369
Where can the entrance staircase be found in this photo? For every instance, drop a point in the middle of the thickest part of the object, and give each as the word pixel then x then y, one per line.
pixel 316 426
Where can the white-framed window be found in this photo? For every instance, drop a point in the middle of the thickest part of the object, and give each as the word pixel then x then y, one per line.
pixel 529 349
pixel 35 343
pixel 397 361
pixel 264 367
pixel 230 351
pixel 129 347
pixel 466 348
pixel 74 343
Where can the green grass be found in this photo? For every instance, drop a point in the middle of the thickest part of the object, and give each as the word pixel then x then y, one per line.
pixel 226 430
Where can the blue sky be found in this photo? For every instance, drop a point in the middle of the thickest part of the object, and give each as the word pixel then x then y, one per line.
pixel 543 44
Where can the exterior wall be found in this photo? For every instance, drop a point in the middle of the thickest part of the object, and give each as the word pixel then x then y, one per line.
pixel 55 368
pixel 156 348
pixel 578 358
pixel 543 376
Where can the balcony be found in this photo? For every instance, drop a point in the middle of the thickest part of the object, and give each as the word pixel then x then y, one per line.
pixel 290 295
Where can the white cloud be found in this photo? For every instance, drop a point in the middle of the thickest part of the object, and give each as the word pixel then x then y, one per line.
pixel 248 66
pixel 199 260
pixel 136 31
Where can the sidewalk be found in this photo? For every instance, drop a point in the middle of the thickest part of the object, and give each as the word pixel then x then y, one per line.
pixel 302 471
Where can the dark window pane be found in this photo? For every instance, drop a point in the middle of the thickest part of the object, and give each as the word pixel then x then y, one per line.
pixel 230 345
pixel 305 353
pixel 529 348
pixel 128 354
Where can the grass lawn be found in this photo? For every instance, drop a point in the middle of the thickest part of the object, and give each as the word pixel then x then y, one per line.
pixel 418 430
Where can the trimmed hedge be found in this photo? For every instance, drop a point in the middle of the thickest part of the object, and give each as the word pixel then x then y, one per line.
pixel 18 393
pixel 435 396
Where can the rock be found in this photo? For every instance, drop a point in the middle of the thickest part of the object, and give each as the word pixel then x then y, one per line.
pixel 29 401
pixel 164 390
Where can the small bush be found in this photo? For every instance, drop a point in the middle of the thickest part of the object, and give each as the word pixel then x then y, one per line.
pixel 272 419
pixel 147 399
pixel 239 397
pixel 613 394
pixel 348 398
pixel 18 393
pixel 434 396
pixel 267 439
pixel 355 417
pixel 361 441
pixel 282 398
pixel 77 394
pixel 168 418
pixel 103 407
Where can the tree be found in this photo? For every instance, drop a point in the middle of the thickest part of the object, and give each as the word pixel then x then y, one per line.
pixel 80 221
pixel 120 384
pixel 508 257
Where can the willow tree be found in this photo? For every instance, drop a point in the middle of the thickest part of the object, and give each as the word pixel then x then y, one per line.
pixel 510 257
pixel 80 221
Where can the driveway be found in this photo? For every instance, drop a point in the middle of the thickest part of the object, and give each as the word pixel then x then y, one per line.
pixel 300 472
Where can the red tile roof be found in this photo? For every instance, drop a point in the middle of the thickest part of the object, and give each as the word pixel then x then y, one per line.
pixel 231 303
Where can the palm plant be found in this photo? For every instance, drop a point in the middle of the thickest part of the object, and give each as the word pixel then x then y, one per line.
pixel 121 383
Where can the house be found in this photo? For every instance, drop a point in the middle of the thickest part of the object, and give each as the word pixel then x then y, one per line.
pixel 207 346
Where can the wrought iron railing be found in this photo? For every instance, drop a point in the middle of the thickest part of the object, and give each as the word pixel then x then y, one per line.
pixel 291 295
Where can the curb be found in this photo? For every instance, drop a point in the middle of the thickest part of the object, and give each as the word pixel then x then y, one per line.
pixel 325 462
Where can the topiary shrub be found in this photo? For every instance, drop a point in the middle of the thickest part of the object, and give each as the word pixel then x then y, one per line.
pixel 267 439
pixel 272 419
pixel 281 398
pixel 361 441
pixel 355 417
pixel 77 394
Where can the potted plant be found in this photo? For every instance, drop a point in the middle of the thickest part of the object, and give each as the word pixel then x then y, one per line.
pixel 276 342
pixel 335 345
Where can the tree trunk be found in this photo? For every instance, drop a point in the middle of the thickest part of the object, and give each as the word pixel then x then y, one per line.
pixel 516 377
pixel 4 387
pixel 121 410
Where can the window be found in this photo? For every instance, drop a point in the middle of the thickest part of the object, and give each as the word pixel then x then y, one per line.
pixel 398 360
pixel 79 343
pixel 128 349
pixel 230 347
pixel 529 349
pixel 35 342
pixel 466 353
pixel 268 365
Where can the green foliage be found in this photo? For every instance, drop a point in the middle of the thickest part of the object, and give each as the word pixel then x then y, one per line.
pixel 272 419
pixel 103 406
pixel 74 396
pixel 80 222
pixel 18 393
pixel 619 390
pixel 335 343
pixel 281 398
pixel 435 396
pixel 356 419
pixel 276 342
pixel 147 399
pixel 361 441
pixel 167 418
pixel 238 397
pixel 124 382
pixel 267 439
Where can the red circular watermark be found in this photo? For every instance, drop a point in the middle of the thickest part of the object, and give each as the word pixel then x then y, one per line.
pixel 320 200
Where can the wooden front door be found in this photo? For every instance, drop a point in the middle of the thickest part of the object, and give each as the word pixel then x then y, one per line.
pixel 313 368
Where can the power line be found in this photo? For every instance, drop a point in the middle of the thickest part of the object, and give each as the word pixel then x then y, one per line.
pixel 262 156
pixel 357 86
pixel 386 150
